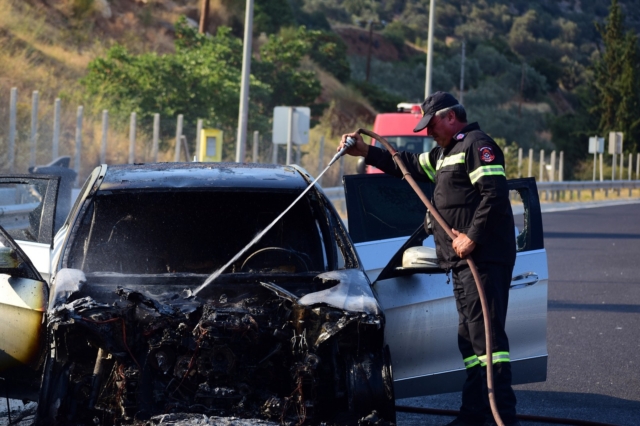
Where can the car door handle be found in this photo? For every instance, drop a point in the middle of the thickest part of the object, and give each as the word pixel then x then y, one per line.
pixel 524 280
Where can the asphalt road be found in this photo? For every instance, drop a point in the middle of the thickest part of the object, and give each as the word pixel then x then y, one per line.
pixel 593 324
pixel 593 329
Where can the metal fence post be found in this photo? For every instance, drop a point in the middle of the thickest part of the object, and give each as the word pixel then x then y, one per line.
pixel 156 137
pixel 199 140
pixel 289 135
pixel 613 167
pixel 601 169
pixel 56 129
pixel 12 128
pixel 621 165
pixel 519 162
pixel 76 163
pixel 530 163
pixel 638 167
pixel 105 128
pixel 542 165
pixel 34 128
pixel 630 170
pixel 561 167
pixel 553 166
pixel 132 138
pixel 176 157
pixel 320 159
pixel 274 157
pixel 254 148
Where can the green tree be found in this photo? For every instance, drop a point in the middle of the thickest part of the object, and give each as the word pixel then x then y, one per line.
pixel 616 81
pixel 202 80
pixel 271 15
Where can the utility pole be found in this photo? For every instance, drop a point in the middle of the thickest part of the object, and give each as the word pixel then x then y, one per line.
pixel 369 50
pixel 521 92
pixel 462 72
pixel 204 16
pixel 243 114
pixel 432 19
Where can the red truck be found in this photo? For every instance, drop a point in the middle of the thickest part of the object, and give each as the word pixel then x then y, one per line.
pixel 397 128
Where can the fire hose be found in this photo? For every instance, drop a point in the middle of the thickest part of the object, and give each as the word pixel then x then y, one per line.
pixel 472 266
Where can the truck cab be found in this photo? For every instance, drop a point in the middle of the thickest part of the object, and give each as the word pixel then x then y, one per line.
pixel 397 127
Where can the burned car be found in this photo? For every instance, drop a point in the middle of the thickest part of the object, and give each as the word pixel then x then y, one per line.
pixel 125 331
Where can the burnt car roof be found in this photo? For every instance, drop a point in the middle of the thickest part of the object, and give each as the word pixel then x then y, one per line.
pixel 202 175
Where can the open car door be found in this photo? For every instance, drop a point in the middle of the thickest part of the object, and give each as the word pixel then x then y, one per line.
pixel 385 219
pixel 27 213
pixel 23 302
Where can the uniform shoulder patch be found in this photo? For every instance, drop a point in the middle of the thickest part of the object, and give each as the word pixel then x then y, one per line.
pixel 460 136
pixel 486 154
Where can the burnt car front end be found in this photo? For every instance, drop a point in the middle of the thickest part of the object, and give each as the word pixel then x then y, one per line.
pixel 290 332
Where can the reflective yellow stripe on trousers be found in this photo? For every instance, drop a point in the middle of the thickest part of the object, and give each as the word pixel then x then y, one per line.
pixel 497 357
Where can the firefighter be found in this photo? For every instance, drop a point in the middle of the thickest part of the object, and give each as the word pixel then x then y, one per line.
pixel 471 194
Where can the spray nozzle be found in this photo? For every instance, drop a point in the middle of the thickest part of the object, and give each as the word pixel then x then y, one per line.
pixel 348 144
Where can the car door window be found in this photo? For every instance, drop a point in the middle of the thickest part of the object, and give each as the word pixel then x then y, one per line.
pixel 27 207
pixel 13 261
pixel 382 207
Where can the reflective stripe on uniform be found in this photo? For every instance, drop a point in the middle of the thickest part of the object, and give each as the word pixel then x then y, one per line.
pixel 496 170
pixel 497 357
pixel 450 160
pixel 472 361
pixel 426 165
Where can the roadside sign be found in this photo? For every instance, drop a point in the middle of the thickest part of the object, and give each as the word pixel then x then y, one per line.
pixel 300 125
pixel 596 145
pixel 210 145
pixel 615 142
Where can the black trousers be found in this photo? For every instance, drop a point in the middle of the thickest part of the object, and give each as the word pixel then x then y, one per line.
pixel 496 279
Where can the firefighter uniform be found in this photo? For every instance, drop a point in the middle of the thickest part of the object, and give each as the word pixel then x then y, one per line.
pixel 472 196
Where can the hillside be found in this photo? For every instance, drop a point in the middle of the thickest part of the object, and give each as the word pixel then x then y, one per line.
pixel 527 65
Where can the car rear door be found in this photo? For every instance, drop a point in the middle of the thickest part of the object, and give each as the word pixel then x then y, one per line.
pixel 421 317
pixel 27 213
pixel 23 301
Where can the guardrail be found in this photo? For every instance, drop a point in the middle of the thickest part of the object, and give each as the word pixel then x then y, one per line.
pixel 548 191
pixel 554 191
pixel 16 216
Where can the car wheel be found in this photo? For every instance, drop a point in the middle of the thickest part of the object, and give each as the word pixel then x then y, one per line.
pixel 370 384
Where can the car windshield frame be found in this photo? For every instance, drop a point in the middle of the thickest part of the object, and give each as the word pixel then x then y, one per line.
pixel 331 241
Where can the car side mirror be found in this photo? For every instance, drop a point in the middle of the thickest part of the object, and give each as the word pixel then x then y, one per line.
pixel 419 260
pixel 420 257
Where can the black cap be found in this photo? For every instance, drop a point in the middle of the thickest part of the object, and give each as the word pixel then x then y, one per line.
pixel 434 103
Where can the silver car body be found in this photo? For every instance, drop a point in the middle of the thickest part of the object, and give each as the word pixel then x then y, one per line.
pixel 420 310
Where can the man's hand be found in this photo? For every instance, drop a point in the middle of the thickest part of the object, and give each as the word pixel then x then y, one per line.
pixel 462 244
pixel 360 149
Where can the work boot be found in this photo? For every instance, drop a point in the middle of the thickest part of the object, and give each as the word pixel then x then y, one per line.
pixel 459 422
